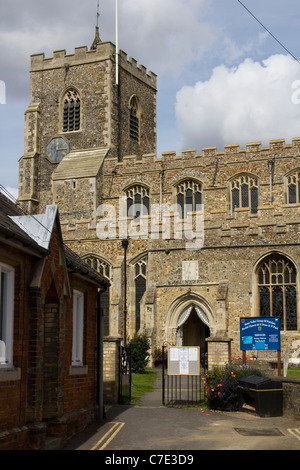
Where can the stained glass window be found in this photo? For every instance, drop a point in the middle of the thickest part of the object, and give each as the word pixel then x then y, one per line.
pixel 277 291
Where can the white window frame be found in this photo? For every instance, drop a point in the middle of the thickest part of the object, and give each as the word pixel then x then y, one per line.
pixel 7 314
pixel 78 322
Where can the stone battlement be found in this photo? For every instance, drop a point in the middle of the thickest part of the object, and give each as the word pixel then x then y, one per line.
pixel 82 55
pixel 252 148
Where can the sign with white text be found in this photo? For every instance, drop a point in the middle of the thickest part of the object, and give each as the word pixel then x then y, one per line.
pixel 260 334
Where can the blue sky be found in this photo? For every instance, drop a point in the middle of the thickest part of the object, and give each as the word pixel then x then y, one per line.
pixel 222 78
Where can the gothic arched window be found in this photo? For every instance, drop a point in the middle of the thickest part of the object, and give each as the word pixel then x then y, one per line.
pixel 140 289
pixel 293 188
pixel 71 111
pixel 189 196
pixel 103 268
pixel 138 201
pixel 277 286
pixel 134 124
pixel 244 193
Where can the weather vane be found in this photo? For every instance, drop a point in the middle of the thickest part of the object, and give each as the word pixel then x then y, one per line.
pixel 97 39
pixel 98 13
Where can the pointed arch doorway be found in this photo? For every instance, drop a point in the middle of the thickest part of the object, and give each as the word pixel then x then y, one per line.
pixel 193 327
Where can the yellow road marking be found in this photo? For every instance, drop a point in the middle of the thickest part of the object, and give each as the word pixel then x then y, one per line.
pixel 295 432
pixel 106 436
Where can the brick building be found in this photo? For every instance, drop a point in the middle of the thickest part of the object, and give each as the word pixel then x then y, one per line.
pixel 49 371
pixel 213 236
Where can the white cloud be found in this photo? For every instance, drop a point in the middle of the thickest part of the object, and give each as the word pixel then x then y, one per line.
pixel 240 104
pixel 169 34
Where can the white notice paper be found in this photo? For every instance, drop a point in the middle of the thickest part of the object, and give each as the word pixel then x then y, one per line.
pixel 183 368
pixel 174 354
pixel 193 354
pixel 183 354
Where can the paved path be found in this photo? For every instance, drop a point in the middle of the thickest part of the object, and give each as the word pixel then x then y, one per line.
pixel 152 427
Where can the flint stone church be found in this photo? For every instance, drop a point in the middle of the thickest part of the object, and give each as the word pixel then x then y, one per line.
pixel 90 149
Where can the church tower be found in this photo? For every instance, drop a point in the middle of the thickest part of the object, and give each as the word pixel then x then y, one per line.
pixel 83 109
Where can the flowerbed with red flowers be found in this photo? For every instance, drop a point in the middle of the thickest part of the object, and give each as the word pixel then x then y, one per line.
pixel 158 356
pixel 221 385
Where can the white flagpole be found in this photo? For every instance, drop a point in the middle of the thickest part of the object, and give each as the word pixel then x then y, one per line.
pixel 117 45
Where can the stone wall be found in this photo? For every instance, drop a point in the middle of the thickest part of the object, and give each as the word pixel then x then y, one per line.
pixel 291 397
pixel 111 367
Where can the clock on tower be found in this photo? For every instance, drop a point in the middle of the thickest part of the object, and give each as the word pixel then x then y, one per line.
pixel 57 149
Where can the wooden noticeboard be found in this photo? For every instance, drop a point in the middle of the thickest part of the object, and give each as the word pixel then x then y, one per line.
pixel 184 360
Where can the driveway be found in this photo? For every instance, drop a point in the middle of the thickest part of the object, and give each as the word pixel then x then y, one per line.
pixel 149 426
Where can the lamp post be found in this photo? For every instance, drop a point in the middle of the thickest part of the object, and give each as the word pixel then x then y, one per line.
pixel 125 244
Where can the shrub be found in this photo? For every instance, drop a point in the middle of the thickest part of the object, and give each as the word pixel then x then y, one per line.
pixel 139 351
pixel 221 384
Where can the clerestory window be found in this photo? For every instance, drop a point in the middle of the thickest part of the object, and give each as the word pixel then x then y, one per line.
pixel 71 111
pixel 189 197
pixel 138 201
pixel 293 186
pixel 244 193
pixel 140 289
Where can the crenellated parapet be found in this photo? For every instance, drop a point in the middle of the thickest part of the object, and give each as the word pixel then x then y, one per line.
pixel 230 152
pixel 83 55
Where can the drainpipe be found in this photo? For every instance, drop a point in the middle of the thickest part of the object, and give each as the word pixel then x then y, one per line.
pixel 271 164
pixel 125 244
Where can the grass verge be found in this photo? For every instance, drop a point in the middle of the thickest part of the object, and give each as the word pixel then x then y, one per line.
pixel 293 372
pixel 142 384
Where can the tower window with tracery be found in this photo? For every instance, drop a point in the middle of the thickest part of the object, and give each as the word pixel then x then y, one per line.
pixel 244 193
pixel 277 285
pixel 134 120
pixel 71 111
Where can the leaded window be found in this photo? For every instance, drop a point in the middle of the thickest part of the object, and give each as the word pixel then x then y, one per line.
pixel 140 289
pixel 103 268
pixel 189 197
pixel 71 111
pixel 278 291
pixel 138 201
pixel 293 184
pixel 244 193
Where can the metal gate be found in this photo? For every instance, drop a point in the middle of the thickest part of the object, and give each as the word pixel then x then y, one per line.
pixel 125 375
pixel 181 389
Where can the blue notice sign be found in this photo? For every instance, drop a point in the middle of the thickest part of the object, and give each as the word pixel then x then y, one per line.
pixel 260 334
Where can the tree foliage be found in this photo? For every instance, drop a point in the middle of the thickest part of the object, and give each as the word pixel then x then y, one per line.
pixel 139 351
